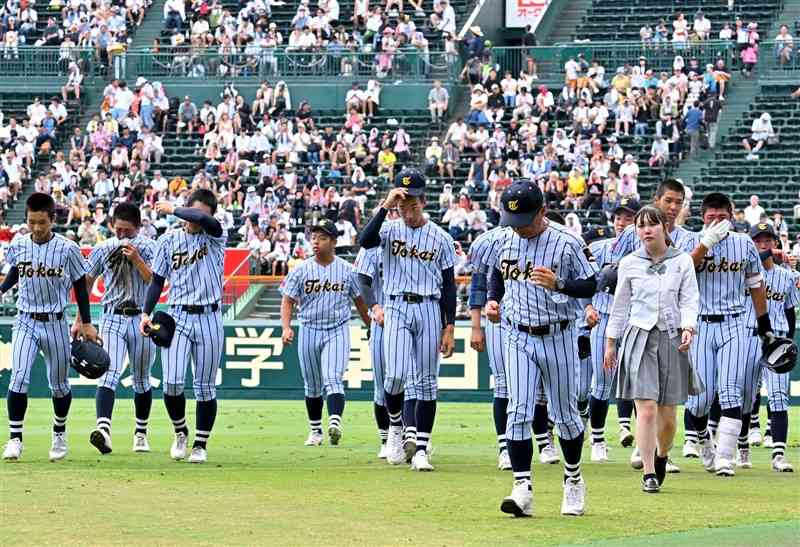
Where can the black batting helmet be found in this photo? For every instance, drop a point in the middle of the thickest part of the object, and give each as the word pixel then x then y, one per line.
pixel 778 354
pixel 607 279
pixel 89 359
pixel 162 329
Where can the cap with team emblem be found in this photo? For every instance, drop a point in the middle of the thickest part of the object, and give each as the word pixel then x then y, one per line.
pixel 628 205
pixel 521 202
pixel 327 227
pixel 762 228
pixel 412 180
pixel 594 234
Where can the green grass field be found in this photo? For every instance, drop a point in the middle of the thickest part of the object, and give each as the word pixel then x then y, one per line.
pixel 261 486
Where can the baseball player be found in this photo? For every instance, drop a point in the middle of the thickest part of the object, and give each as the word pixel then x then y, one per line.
pixel 596 316
pixel 321 288
pixel 191 259
pixel 536 268
pixel 491 342
pixel 44 265
pixel 726 263
pixel 124 262
pixel 419 316
pixel 669 198
pixel 783 296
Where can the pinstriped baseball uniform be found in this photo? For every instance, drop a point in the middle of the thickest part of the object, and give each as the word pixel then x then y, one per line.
pixel 583 373
pixel 551 357
pixel 479 251
pixel 628 241
pixel 719 346
pixel 323 295
pixel 782 294
pixel 123 285
pixel 46 274
pixel 193 264
pixel 413 260
pixel 602 379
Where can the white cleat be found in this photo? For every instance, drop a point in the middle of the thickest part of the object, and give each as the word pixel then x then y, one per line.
pixel 724 467
pixel 140 443
pixel 600 452
pixel 101 440
pixel 394 446
pixel 767 441
pixel 625 437
pixel 334 434
pixel 58 450
pixel 314 439
pixel 671 467
pixel 743 459
pixel 636 459
pixel 178 449
pixel 690 450
pixel 754 437
pixel 574 501
pixel 198 455
pixel 420 462
pixel 707 455
pixel 504 461
pixel 520 502
pixel 779 464
pixel 382 452
pixel 13 450
pixel 549 455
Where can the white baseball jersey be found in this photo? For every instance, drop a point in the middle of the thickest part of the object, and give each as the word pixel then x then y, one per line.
pixel 721 276
pixel 413 258
pixel 193 264
pixel 782 294
pixel 601 250
pixel 46 272
pixel 628 241
pixel 122 281
pixel 556 248
pixel 368 262
pixel 480 251
pixel 323 293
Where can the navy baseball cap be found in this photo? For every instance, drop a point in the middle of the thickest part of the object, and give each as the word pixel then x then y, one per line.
pixel 412 180
pixel 595 234
pixel 520 203
pixel 628 205
pixel 327 227
pixel 762 228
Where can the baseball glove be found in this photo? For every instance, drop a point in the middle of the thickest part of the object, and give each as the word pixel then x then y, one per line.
pixel 584 347
pixel 778 354
pixel 89 359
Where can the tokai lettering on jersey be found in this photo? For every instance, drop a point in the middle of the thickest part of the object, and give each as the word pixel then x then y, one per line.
pixel 315 285
pixel 711 266
pixel 400 248
pixel 29 269
pixel 182 259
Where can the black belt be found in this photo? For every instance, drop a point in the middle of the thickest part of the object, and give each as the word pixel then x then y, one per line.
pixel 718 318
pixel 410 298
pixel 543 330
pixel 194 310
pixel 46 316
pixel 127 311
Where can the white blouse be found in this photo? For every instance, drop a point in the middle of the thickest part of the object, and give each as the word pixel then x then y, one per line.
pixel 662 295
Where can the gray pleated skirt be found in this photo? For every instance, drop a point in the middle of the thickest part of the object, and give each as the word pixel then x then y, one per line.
pixel 651 367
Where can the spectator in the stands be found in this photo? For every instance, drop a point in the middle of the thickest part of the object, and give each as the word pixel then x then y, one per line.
pixel 433 158
pixel 693 121
pixel 711 110
pixel 659 152
pixel 761 131
pixel 447 23
pixel 754 211
pixel 702 25
pixel 73 83
pixel 576 189
pixel 347 234
pixel 740 223
pixel 784 45
pixel 779 224
pixel 457 217
pixel 438 102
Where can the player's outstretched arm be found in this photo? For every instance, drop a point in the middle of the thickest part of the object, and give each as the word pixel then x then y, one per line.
pixel 365 286
pixel 477 299
pixel 208 223
pixel 363 310
pixel 371 234
pixel 10 280
pixel 287 305
pixel 86 329
pixel 150 301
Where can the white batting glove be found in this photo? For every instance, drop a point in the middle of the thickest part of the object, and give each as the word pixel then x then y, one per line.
pixel 714 233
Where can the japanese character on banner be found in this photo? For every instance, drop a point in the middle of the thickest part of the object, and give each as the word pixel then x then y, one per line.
pixel 359 367
pixel 249 350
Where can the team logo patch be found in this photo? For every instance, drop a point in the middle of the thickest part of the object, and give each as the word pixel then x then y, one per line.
pixel 406 181
pixel 762 226
pixel 513 205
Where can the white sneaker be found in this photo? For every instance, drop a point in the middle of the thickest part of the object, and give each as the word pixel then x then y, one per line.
pixel 382 452
pixel 767 441
pixel 636 459
pixel 707 455
pixel 779 464
pixel 671 467
pixel 101 440
pixel 625 437
pixel 314 439
pixel 574 501
pixel 178 449
pixel 690 450
pixel 724 468
pixel 198 455
pixel 743 459
pixel 504 461
pixel 334 434
pixel 58 450
pixel 13 450
pixel 394 446
pixel 420 462
pixel 520 502
pixel 600 452
pixel 754 437
pixel 549 455
pixel 140 443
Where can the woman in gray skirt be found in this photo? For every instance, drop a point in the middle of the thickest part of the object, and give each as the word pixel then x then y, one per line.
pixel 657 298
